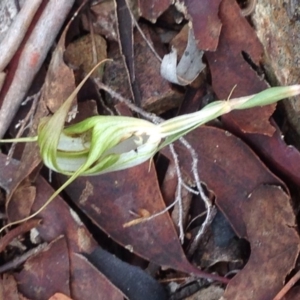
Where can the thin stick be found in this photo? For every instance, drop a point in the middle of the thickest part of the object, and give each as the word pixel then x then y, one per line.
pixel 178 198
pixel 195 218
pixel 94 47
pixel 16 32
pixel 149 116
pixel 24 124
pixel 23 228
pixel 21 259
pixel 211 210
pixel 211 213
pixel 32 56
pixel 142 33
pixel 288 286
pixel 146 219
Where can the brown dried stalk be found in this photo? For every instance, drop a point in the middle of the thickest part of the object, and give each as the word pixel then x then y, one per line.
pixel 32 56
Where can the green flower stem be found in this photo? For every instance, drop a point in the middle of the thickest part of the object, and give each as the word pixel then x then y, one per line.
pixel 177 127
pixel 21 140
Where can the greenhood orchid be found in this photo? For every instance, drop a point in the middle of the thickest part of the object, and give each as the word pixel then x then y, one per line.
pixel 102 144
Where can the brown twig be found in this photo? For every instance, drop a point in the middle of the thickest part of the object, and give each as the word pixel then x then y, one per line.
pixel 32 57
pixel 210 208
pixel 22 258
pixel 142 33
pixel 23 228
pixel 16 32
pixel 94 47
pixel 288 286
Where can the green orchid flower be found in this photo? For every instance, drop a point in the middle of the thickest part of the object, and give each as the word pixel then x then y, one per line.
pixel 102 144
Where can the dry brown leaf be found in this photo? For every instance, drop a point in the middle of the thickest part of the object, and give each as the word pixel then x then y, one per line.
pixel 274 241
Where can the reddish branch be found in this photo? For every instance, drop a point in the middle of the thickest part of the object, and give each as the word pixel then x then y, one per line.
pixel 17 31
pixel 32 56
pixel 288 286
pixel 23 228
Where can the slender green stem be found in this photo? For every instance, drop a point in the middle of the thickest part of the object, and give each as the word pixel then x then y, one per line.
pixel 28 139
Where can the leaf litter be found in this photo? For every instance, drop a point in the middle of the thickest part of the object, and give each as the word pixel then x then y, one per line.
pixel 255 202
